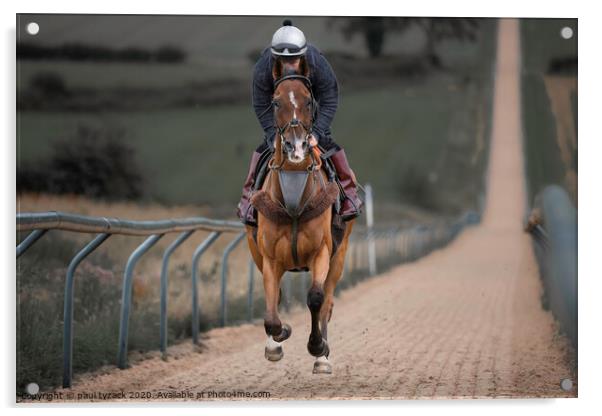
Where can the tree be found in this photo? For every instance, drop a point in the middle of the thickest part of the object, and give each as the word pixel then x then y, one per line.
pixel 374 30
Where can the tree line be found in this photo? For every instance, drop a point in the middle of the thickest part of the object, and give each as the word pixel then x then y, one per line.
pixel 86 52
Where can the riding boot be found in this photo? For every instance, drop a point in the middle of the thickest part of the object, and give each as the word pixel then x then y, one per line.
pixel 351 205
pixel 246 211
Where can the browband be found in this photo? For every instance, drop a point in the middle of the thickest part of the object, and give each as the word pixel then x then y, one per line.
pixel 303 78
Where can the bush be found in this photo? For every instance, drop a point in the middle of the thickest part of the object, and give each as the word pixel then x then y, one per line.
pixel 414 188
pixel 134 55
pixel 170 54
pixel 94 162
pixel 49 84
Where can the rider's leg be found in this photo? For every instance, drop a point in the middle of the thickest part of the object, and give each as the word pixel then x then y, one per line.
pixel 351 206
pixel 245 211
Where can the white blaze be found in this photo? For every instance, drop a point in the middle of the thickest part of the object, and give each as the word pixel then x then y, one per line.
pixel 291 95
pixel 298 152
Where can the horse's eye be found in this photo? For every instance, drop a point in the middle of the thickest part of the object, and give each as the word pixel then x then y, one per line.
pixel 276 104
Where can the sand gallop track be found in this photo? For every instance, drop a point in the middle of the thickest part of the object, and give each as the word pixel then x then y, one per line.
pixel 465 321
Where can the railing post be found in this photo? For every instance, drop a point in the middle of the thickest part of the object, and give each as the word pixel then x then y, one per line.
pixel 224 300
pixel 369 225
pixel 195 296
pixel 287 291
pixel 126 297
pixel 68 306
pixel 304 285
pixel 164 272
pixel 29 241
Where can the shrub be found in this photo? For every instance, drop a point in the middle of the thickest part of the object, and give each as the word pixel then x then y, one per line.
pixel 170 54
pixel 414 188
pixel 95 162
pixel 49 84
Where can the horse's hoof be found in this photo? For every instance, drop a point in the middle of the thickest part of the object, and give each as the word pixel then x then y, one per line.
pixel 285 333
pixel 273 350
pixel 275 354
pixel 322 366
pixel 318 350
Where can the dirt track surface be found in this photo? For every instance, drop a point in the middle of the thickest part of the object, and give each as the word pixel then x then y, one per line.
pixel 465 321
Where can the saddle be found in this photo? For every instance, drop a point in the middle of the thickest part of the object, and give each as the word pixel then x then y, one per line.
pixel 291 212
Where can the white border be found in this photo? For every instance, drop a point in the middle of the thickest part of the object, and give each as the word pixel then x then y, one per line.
pixel 590 206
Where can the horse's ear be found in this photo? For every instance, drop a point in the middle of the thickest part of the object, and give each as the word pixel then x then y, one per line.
pixel 304 67
pixel 277 69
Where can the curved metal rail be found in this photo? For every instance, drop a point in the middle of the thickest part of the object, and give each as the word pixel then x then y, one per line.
pixel 57 220
pixel 554 231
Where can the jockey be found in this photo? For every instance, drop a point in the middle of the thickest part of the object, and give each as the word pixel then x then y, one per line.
pixel 289 47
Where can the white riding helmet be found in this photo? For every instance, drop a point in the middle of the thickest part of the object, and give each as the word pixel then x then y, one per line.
pixel 288 40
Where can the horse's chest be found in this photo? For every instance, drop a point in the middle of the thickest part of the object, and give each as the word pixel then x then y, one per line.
pixel 277 245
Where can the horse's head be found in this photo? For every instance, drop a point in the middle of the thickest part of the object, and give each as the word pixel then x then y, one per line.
pixel 293 109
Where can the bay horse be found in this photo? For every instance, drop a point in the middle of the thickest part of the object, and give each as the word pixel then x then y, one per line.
pixel 294 219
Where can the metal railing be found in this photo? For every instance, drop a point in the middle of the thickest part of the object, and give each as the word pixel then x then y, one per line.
pixel 370 251
pixel 40 223
pixel 553 226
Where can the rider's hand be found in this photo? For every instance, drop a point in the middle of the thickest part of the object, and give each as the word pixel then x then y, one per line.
pixel 312 141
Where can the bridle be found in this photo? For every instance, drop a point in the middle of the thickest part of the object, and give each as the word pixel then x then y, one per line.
pixel 294 122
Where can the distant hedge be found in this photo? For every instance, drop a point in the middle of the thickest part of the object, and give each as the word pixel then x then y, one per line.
pixel 84 52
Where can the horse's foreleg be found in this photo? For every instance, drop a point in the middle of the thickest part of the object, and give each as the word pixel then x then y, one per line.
pixel 335 271
pixel 317 345
pixel 276 331
pixel 322 364
pixel 257 257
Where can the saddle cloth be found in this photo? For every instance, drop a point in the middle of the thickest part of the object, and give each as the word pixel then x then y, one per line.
pixel 326 198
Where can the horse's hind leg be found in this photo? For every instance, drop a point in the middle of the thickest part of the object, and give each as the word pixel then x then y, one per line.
pixel 276 331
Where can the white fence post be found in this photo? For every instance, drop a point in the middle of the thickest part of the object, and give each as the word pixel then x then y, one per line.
pixel 369 224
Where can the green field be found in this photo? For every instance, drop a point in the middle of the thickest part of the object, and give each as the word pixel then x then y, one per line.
pixel 130 75
pixel 541 44
pixel 201 156
pixel 420 140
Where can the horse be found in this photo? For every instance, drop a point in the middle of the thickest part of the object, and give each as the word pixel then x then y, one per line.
pixel 294 217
